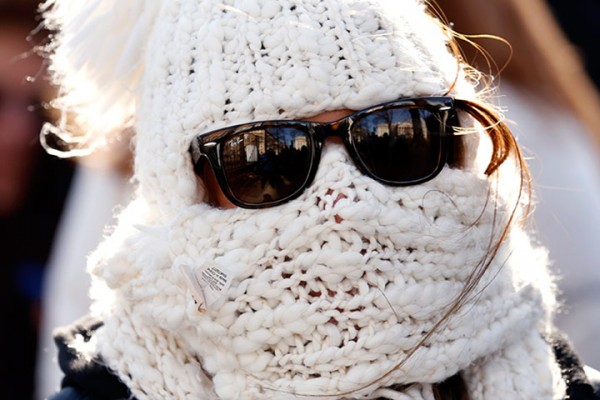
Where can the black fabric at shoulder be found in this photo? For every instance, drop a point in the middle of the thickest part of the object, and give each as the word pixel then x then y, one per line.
pixel 594 378
pixel 578 385
pixel 86 376
pixel 70 393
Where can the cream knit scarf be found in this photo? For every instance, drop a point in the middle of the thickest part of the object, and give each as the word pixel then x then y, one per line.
pixel 327 296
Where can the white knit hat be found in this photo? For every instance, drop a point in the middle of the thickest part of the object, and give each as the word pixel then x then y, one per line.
pixel 331 294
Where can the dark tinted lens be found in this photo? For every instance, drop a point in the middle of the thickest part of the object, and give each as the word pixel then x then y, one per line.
pixel 401 145
pixel 266 164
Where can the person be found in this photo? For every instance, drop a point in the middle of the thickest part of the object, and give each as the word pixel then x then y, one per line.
pixel 553 109
pixel 32 192
pixel 358 274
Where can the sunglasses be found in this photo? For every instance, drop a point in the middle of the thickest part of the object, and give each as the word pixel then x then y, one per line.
pixel 264 164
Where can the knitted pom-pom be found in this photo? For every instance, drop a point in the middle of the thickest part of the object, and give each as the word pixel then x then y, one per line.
pixel 96 60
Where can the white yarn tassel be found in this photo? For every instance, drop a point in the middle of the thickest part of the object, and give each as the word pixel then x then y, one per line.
pixel 96 58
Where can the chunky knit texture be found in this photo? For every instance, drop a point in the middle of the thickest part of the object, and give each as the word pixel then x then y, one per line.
pixel 330 295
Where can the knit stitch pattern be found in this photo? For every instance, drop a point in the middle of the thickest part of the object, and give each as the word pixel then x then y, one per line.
pixel 331 295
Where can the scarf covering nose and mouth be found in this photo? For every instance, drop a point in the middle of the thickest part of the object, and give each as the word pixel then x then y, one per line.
pixel 326 296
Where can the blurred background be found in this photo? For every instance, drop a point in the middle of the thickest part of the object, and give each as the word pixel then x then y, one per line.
pixel 33 188
pixel 53 212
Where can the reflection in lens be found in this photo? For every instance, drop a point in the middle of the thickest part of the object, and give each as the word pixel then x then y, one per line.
pixel 266 164
pixel 399 145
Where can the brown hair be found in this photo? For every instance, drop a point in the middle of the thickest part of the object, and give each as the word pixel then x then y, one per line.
pixel 535 54
pixel 504 146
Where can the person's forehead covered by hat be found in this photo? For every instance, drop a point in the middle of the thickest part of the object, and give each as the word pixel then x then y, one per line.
pixel 201 65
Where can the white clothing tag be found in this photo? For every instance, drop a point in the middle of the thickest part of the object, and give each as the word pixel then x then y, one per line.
pixel 208 284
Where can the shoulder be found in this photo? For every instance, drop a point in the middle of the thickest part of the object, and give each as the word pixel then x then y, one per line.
pixel 583 383
pixel 594 377
pixel 70 393
pixel 85 377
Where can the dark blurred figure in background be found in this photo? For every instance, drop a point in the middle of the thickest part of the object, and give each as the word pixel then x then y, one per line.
pixel 553 108
pixel 33 186
pixel 580 20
